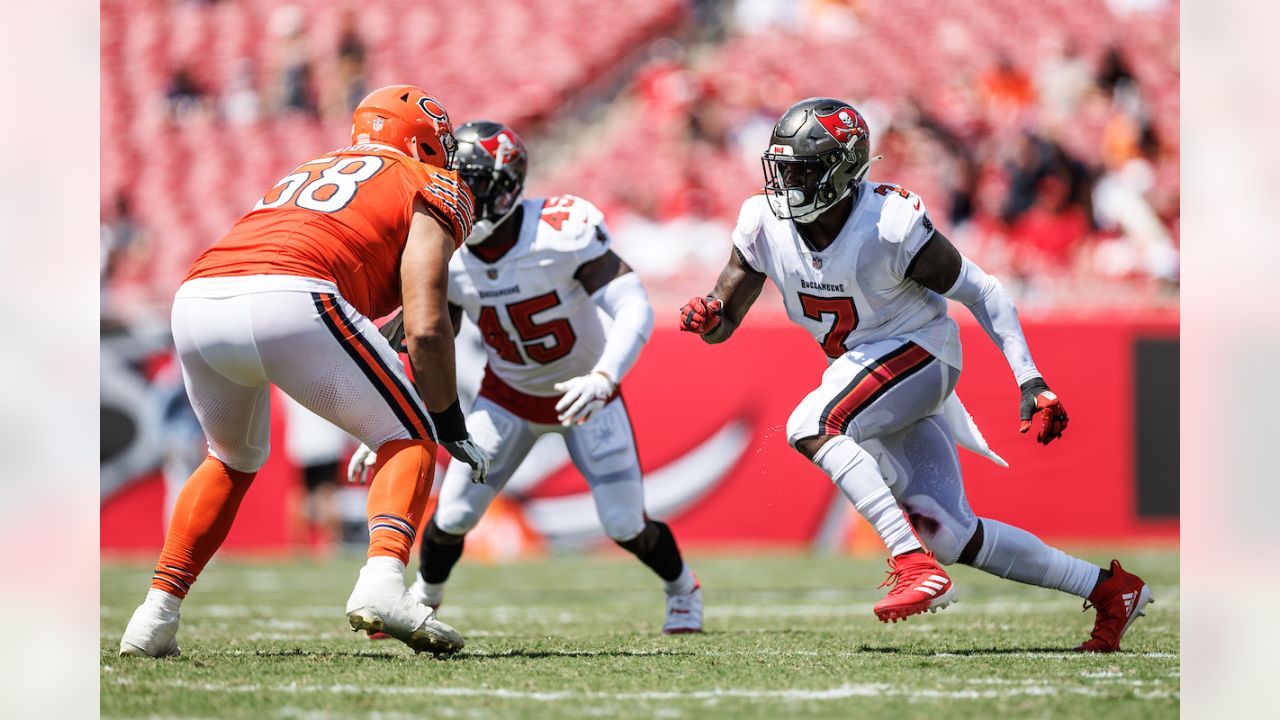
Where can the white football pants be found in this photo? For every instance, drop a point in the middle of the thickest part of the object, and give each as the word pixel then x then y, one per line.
pixel 237 336
pixel 603 449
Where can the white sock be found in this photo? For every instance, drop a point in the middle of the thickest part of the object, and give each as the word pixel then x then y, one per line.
pixel 383 574
pixel 168 602
pixel 434 592
pixel 1016 554
pixel 385 564
pixel 858 476
pixel 682 585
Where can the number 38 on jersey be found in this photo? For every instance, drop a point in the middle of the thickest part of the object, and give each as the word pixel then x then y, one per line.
pixel 326 185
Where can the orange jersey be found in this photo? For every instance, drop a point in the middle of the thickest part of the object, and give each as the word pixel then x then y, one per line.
pixel 342 217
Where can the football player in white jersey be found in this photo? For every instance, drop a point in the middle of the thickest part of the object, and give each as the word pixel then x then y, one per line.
pixel 861 267
pixel 534 276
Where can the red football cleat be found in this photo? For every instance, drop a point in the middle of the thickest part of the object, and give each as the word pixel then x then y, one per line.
pixel 1119 600
pixel 919 584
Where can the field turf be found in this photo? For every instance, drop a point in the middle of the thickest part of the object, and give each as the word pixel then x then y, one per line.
pixel 577 636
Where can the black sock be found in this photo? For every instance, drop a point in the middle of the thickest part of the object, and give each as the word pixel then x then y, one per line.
pixel 440 552
pixel 1103 576
pixel 656 547
pixel 970 552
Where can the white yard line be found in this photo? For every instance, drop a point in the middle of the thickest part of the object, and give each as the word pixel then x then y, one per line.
pixel 843 692
pixel 522 613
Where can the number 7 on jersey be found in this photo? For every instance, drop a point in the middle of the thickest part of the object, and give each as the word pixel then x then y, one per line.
pixel 844 320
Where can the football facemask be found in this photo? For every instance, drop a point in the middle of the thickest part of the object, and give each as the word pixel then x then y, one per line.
pixel 800 189
pixel 492 161
pixel 497 194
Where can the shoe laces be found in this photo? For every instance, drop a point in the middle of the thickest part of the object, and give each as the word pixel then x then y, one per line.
pixel 1101 624
pixel 893 575
pixel 902 578
pixel 1103 608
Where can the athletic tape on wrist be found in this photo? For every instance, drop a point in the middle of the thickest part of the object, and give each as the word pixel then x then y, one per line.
pixel 451 424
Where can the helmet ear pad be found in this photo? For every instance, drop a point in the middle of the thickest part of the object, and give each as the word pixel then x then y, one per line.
pixel 835 184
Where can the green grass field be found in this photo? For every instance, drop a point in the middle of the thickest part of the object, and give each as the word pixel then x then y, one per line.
pixel 577 636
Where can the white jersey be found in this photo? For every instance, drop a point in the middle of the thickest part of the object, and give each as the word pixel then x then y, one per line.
pixel 855 291
pixel 538 324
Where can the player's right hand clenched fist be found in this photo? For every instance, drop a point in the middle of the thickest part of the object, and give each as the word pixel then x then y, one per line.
pixel 701 315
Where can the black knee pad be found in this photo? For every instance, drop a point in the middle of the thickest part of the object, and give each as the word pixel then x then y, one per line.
pixel 643 544
pixel 656 547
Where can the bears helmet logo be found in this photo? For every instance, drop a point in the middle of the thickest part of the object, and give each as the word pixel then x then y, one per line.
pixel 433 109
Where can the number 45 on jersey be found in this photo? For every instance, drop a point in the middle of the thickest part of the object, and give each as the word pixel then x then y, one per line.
pixel 543 342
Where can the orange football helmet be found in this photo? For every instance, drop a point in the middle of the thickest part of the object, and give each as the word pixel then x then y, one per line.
pixel 407 119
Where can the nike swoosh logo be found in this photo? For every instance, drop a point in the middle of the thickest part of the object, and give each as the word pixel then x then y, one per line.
pixel 917 204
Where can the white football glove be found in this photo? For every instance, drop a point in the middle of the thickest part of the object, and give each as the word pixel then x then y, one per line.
pixel 583 396
pixel 467 451
pixel 360 468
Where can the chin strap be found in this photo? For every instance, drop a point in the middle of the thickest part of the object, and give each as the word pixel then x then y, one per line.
pixel 482 229
pixel 867 168
pixel 816 213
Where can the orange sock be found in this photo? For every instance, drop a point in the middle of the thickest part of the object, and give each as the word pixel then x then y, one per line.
pixel 201 519
pixel 398 496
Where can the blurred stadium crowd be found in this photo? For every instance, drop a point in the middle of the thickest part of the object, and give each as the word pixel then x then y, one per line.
pixel 1044 135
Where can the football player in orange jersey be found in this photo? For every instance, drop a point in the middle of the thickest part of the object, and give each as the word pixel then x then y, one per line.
pixel 285 299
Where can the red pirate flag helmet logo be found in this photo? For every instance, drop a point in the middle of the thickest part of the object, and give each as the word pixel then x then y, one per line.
pixel 505 147
pixel 844 124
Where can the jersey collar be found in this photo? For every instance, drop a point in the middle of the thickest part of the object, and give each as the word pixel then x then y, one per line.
pixel 531 210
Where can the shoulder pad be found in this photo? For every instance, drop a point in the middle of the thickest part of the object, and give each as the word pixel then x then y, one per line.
pixel 899 216
pixel 750 217
pixel 456 263
pixel 568 223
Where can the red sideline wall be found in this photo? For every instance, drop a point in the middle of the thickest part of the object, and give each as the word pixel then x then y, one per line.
pixel 1080 488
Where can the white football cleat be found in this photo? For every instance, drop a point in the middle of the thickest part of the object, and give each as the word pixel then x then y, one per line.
pixel 152 632
pixel 408 621
pixel 684 613
pixel 379 603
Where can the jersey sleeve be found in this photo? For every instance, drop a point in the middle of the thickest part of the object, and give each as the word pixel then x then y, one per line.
pixel 747 235
pixel 449 200
pixel 904 227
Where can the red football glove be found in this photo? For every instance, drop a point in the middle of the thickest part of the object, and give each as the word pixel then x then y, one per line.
pixel 701 315
pixel 1038 399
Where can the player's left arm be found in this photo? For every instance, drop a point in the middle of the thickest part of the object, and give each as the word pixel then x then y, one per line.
pixel 939 266
pixel 618 291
